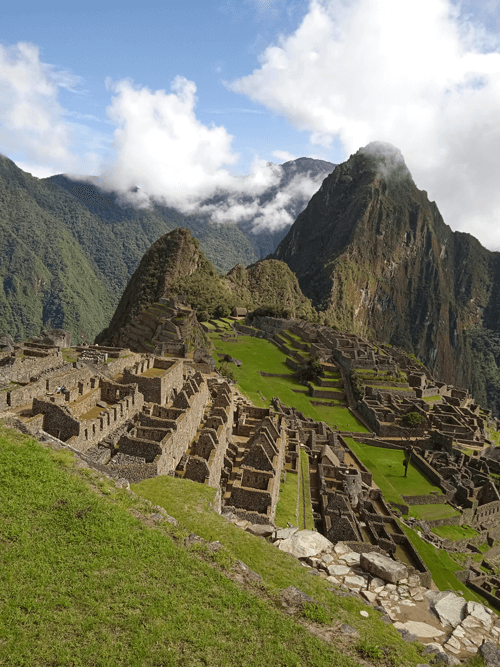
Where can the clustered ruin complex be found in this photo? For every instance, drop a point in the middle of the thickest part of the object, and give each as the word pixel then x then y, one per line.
pixel 137 415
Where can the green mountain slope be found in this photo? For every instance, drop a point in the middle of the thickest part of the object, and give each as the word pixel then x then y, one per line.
pixel 176 265
pixel 375 254
pixel 68 249
pixel 46 278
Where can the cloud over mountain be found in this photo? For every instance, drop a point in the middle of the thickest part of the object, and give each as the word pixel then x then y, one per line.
pixel 416 74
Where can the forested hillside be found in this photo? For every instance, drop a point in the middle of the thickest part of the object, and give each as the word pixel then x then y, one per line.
pixel 68 249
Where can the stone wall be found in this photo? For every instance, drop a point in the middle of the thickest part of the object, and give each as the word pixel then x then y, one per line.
pixel 61 422
pixel 488 514
pixel 432 499
pixel 171 448
pixel 156 389
pixel 206 461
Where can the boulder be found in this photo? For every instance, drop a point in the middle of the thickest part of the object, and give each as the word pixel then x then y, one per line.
pixel 449 608
pixel 422 630
pixel 351 558
pixel 284 533
pixel 294 596
pixel 446 659
pixel 349 630
pixel 383 567
pixel 407 636
pixel 355 581
pixel 479 612
pixel 259 530
pixel 490 654
pixel 338 570
pixel 305 543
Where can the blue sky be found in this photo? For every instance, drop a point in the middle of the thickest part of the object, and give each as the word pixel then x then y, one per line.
pixel 206 42
pixel 181 97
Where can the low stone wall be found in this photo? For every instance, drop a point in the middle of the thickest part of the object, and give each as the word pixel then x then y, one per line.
pixel 432 499
pixel 424 467
pixel 492 599
pixel 404 509
pixel 456 520
pixel 245 330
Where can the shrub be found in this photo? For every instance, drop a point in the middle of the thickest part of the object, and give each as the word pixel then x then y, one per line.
pixel 412 420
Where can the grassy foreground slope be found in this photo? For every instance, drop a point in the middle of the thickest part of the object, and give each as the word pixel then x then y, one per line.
pixel 84 581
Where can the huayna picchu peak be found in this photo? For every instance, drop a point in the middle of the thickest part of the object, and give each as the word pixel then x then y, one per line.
pixel 375 255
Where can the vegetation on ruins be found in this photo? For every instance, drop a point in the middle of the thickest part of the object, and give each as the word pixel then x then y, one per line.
pixel 310 372
pixel 412 420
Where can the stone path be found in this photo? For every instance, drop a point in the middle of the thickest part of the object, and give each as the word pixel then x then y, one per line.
pixel 442 620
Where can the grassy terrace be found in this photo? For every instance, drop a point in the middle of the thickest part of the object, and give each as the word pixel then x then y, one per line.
pixel 258 354
pixel 455 532
pixel 85 582
pixel 306 519
pixel 332 390
pixel 441 565
pixel 287 507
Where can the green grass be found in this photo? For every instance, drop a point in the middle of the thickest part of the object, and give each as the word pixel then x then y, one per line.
pixel 440 565
pixel 83 582
pixel 387 468
pixel 494 437
pixel 286 509
pixel 430 512
pixel 258 354
pixel 332 390
pixel 305 512
pixel 431 399
pixel 222 324
pixel 455 532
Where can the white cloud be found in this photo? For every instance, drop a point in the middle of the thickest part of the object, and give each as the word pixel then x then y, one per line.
pixel 270 213
pixel 161 146
pixel 285 156
pixel 413 73
pixel 32 121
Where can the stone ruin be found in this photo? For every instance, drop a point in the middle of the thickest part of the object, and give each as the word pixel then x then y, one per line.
pixel 161 328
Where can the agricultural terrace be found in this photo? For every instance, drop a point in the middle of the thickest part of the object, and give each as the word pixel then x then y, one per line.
pixel 258 354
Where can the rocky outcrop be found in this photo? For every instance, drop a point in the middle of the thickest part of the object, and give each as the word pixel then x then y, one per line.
pixel 374 253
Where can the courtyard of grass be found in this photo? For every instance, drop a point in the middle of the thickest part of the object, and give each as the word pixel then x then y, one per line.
pixel 258 354
pixel 388 472
pixel 387 468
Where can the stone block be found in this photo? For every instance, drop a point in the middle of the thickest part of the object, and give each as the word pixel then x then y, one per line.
pixel 284 533
pixel 305 543
pixel 259 530
pixel 490 654
pixel 449 608
pixel 383 567
pixel 338 570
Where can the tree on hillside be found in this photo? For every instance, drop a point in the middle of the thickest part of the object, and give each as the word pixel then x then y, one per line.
pixel 310 372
